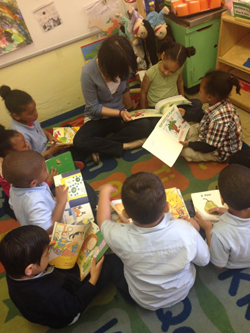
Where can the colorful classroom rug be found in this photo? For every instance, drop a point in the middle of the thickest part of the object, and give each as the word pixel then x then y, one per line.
pixel 219 300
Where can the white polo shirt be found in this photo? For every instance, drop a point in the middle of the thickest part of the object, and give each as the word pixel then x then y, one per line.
pixel 158 261
pixel 33 205
pixel 230 245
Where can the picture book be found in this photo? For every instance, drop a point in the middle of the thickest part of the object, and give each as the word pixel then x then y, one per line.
pixel 160 108
pixel 163 142
pixel 78 208
pixel 65 134
pixel 204 201
pixel 76 244
pixel 63 163
pixel 117 212
pixel 176 202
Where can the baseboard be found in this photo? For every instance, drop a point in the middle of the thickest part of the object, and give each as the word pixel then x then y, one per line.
pixel 76 112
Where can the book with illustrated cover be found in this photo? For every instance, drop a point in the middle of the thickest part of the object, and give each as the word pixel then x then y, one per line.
pixel 63 163
pixel 78 208
pixel 163 142
pixel 76 244
pixel 173 197
pixel 177 204
pixel 64 135
pixel 204 201
pixel 160 108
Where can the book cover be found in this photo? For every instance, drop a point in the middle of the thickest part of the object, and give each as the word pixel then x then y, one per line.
pixel 177 204
pixel 77 194
pixel 76 244
pixel 65 134
pixel 203 201
pixel 63 163
pixel 160 108
pixel 77 209
pixel 163 142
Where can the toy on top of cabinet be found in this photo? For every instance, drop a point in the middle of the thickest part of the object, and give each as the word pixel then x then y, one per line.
pixel 144 32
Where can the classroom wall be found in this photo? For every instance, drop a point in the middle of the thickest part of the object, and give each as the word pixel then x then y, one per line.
pixel 52 79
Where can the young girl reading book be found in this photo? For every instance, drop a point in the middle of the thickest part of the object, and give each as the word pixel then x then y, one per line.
pixel 24 116
pixel 164 80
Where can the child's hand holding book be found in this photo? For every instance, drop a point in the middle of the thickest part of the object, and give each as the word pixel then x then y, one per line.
pixel 95 270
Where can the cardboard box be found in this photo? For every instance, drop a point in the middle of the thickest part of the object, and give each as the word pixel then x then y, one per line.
pixel 241 9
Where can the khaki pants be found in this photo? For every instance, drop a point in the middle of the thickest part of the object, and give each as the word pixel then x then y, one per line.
pixel 195 156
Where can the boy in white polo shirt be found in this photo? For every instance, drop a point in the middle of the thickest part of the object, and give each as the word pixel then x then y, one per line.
pixel 158 252
pixel 30 197
pixel 229 238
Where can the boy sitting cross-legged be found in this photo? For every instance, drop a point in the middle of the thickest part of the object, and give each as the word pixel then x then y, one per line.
pixel 158 252
pixel 30 197
pixel 229 238
pixel 43 294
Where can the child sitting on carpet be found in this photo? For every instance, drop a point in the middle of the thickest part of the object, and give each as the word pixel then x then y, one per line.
pixel 219 135
pixel 164 80
pixel 158 252
pixel 30 197
pixel 43 294
pixel 11 140
pixel 24 115
pixel 229 238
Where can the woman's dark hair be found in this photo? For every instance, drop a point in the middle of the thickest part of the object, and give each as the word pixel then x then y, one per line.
pixel 116 58
pixel 144 197
pixel 15 100
pixel 220 83
pixel 21 247
pixel 176 51
pixel 5 136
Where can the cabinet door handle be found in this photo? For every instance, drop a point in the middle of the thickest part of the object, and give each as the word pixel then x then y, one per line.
pixel 209 26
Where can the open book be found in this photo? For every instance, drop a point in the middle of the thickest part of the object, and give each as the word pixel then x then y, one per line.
pixel 76 244
pixel 173 197
pixel 160 108
pixel 177 204
pixel 78 208
pixel 163 142
pixel 204 201
pixel 64 134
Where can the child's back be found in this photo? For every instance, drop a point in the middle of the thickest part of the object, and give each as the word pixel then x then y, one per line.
pixel 229 238
pixel 158 257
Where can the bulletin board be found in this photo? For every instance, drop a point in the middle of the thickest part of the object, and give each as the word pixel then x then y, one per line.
pixel 73 27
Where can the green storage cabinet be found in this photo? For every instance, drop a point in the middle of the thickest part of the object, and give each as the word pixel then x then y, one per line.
pixel 204 38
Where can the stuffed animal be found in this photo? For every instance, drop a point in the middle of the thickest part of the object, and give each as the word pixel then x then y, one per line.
pixel 127 32
pixel 157 21
pixel 144 32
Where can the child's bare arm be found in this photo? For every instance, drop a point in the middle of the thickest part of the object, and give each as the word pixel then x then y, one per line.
pixel 104 209
pixel 180 85
pixel 95 270
pixel 144 90
pixel 61 199
pixel 49 136
pixel 206 226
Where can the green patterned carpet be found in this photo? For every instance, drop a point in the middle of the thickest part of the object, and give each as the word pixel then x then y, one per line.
pixel 219 300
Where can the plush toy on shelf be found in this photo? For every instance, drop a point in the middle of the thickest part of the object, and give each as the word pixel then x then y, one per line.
pixel 127 31
pixel 157 21
pixel 144 32
pixel 162 31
